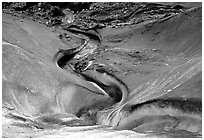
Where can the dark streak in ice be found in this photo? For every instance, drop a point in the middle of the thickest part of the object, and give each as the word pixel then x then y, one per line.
pixel 186 105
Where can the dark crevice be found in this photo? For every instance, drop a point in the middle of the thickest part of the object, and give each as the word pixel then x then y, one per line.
pixel 17 117
pixel 64 56
pixel 76 30
pixel 185 105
